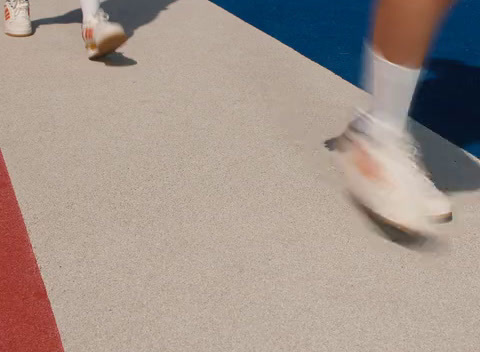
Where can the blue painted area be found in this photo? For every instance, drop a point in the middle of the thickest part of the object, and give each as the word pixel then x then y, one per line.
pixel 331 33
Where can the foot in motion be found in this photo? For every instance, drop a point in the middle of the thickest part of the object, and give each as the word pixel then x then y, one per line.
pixel 101 36
pixel 17 18
pixel 383 173
pixel 382 169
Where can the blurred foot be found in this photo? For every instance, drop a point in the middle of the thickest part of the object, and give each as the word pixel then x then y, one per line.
pixel 101 36
pixel 383 174
pixel 17 18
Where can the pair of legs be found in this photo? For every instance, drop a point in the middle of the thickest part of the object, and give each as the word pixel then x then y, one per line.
pixel 378 158
pixel 101 36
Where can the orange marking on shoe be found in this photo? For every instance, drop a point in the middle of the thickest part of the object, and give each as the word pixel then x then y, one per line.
pixel 366 165
pixel 88 34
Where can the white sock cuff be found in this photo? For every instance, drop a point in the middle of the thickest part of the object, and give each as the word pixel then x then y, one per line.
pixel 374 61
pixel 89 8
pixel 392 87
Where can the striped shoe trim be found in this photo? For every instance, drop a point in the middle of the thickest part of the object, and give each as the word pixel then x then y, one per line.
pixel 7 14
pixel 87 34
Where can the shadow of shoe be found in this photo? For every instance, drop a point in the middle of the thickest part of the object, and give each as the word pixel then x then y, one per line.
pixel 74 16
pixel 331 144
pixel 421 242
pixel 131 15
pixel 117 59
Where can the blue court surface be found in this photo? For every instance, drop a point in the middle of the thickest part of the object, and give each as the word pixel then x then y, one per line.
pixel 331 33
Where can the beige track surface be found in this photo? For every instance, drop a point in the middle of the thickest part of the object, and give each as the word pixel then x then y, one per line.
pixel 180 198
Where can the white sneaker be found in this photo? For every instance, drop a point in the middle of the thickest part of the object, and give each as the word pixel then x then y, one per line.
pixel 438 206
pixel 384 176
pixel 101 36
pixel 17 18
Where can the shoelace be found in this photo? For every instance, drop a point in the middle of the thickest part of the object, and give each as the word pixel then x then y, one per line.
pixel 102 15
pixel 21 9
pixel 407 150
pixel 406 143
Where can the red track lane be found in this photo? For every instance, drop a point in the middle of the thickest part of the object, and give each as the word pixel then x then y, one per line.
pixel 27 323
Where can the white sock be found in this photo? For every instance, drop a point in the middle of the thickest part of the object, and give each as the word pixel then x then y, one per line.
pixel 392 87
pixel 89 8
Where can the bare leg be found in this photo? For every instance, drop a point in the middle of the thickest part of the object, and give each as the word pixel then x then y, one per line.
pixel 404 29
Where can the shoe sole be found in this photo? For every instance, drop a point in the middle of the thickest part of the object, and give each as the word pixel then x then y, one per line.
pixel 341 144
pixel 19 35
pixel 442 219
pixel 396 225
pixel 108 45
